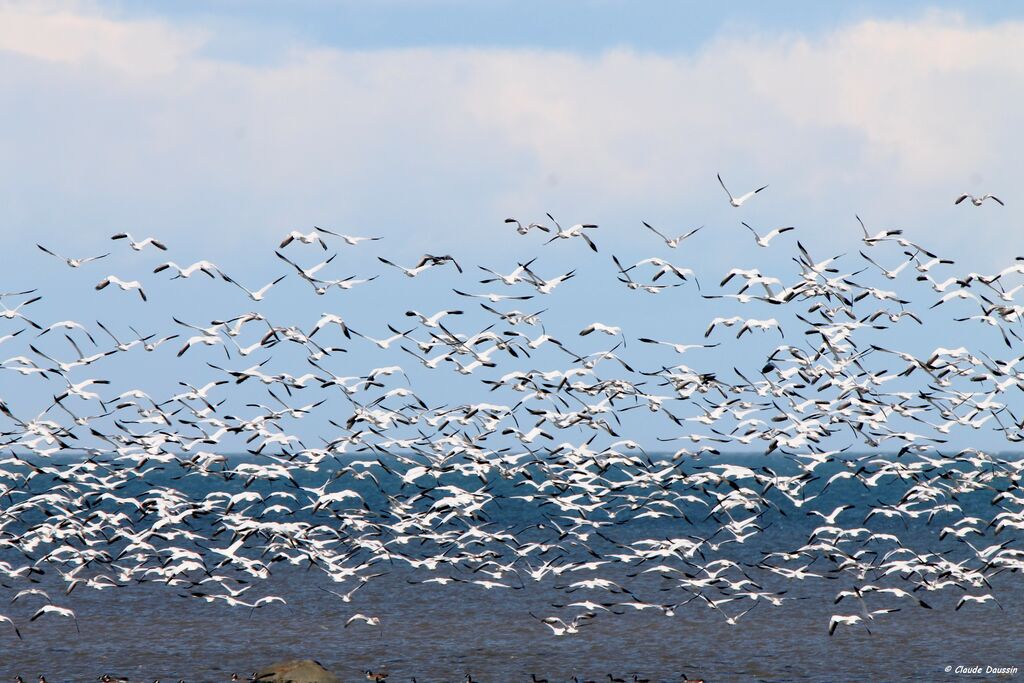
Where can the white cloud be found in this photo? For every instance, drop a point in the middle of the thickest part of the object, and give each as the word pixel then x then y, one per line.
pixel 900 114
pixel 931 96
pixel 69 36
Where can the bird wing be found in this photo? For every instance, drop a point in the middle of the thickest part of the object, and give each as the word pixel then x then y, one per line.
pixel 720 182
pixel 646 225
pixel 778 231
pixel 49 252
pixel 689 234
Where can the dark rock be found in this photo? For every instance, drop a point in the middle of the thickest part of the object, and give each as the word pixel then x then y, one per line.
pixel 296 671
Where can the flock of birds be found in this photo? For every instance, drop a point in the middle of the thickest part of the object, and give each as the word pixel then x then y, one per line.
pixel 859 438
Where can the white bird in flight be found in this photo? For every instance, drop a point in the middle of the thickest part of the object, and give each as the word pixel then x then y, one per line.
pixel 53 609
pixel 139 245
pixel 573 231
pixel 73 262
pixel 728 322
pixel 679 348
pixel 560 628
pixel 495 298
pixel 307 238
pixel 978 201
pixel 254 295
pixel 850 620
pixel 977 598
pixel 188 271
pixel 672 242
pixel 123 284
pixel 766 240
pixel 871 240
pixel 369 621
pixel 738 201
pixel 523 229
pixel 600 327
pixel 433 320
pixel 350 240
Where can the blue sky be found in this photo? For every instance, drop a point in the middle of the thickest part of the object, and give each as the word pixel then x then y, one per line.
pixel 219 127
pixel 587 27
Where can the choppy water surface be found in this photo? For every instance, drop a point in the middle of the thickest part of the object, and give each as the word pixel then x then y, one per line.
pixel 439 633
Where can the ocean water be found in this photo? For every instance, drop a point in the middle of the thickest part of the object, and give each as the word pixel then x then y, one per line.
pixel 440 633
